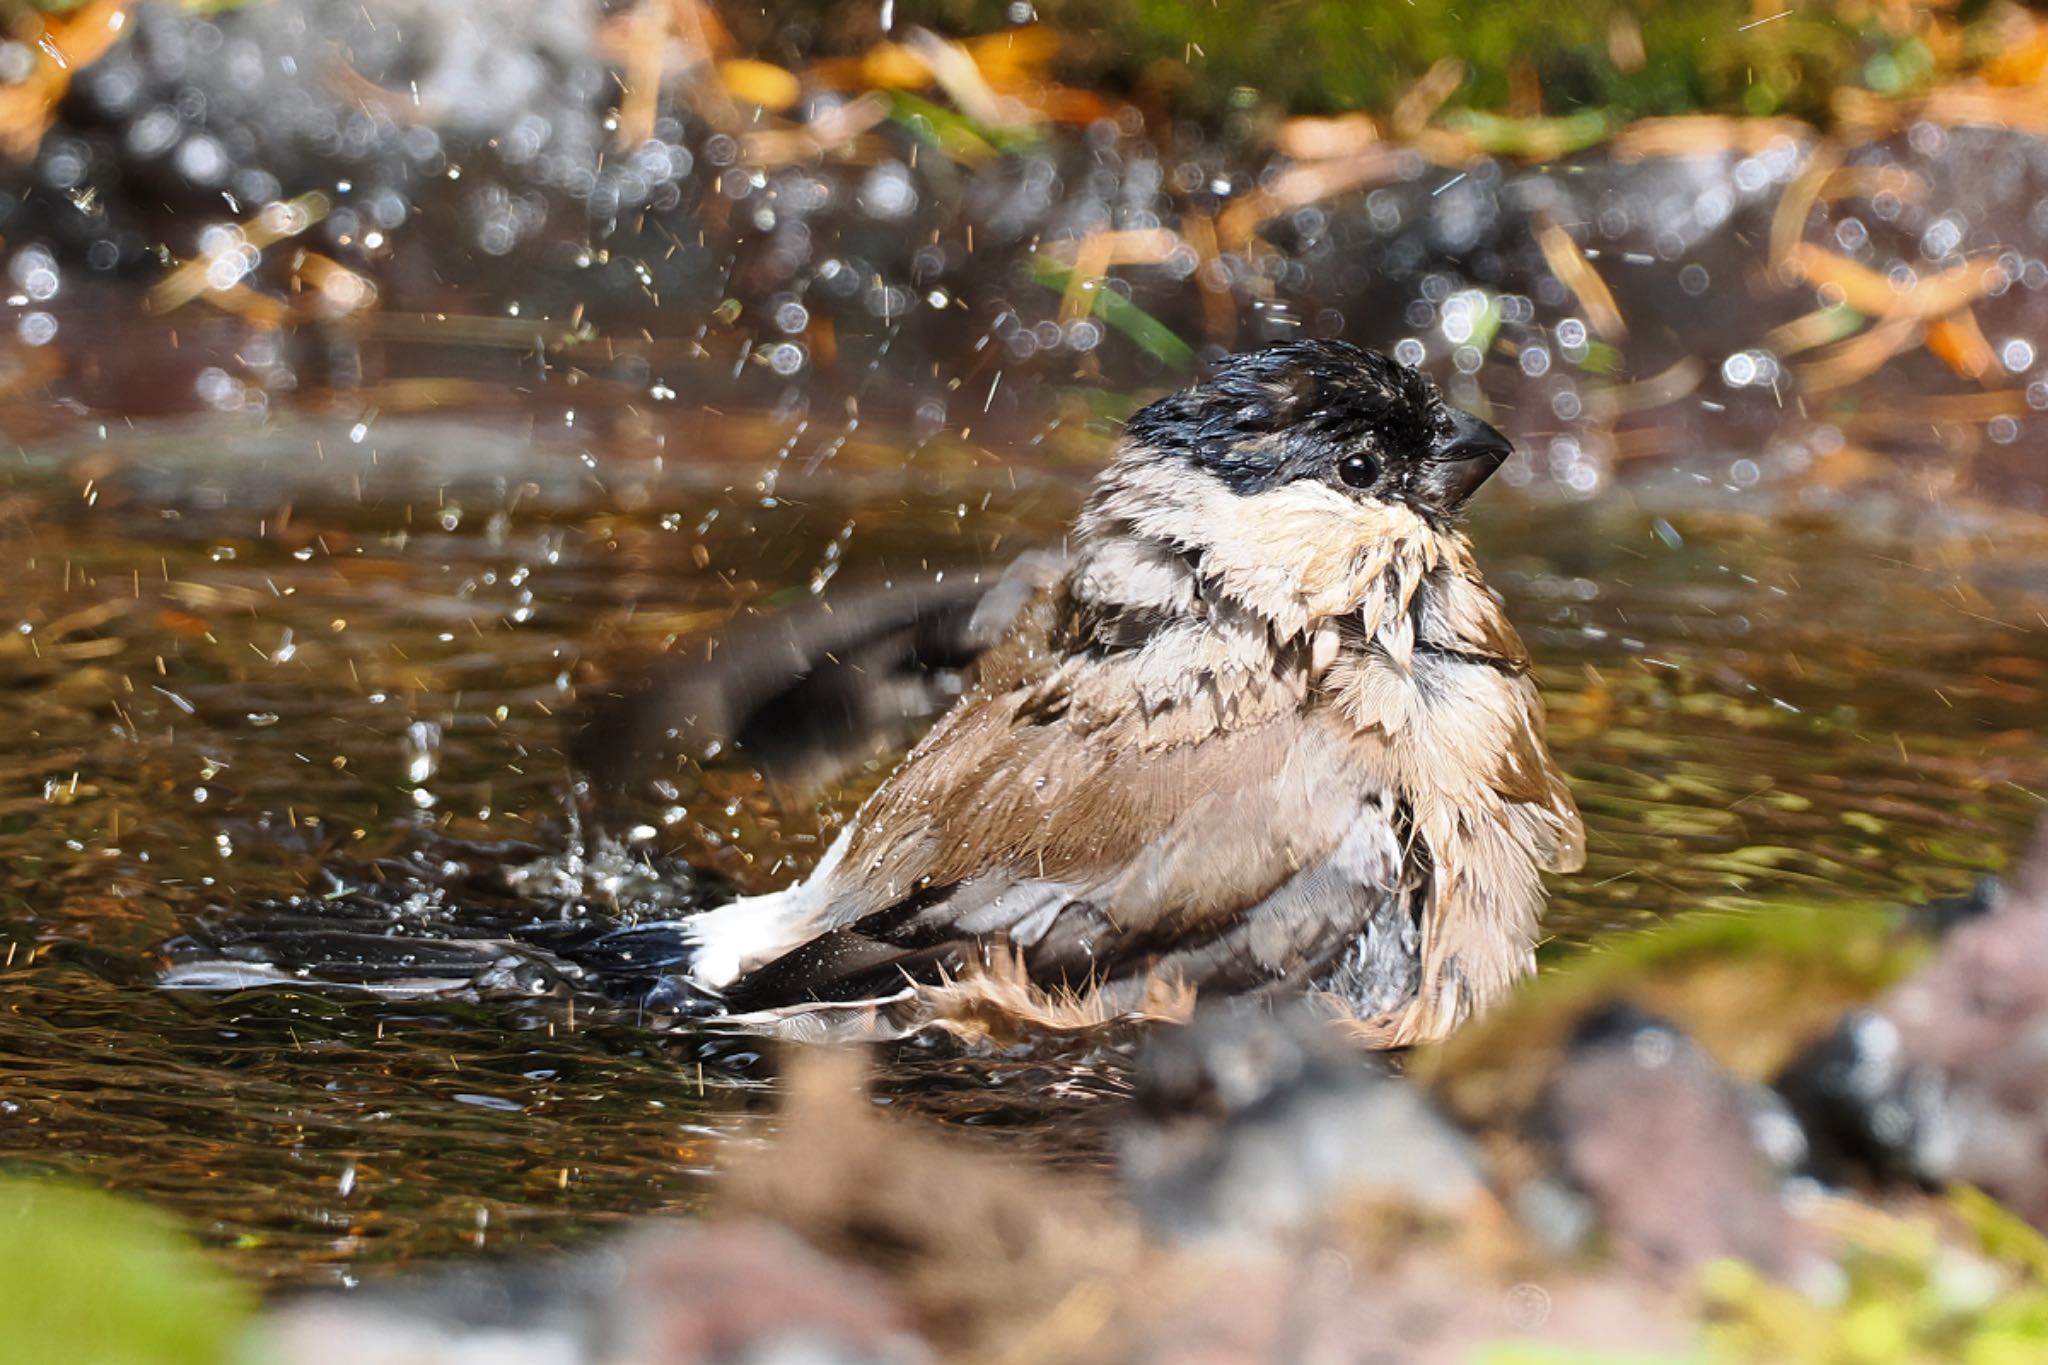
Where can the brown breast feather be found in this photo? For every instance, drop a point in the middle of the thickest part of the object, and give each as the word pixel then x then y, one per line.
pixel 1462 733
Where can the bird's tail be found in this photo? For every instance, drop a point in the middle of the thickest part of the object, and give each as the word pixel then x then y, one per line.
pixel 754 931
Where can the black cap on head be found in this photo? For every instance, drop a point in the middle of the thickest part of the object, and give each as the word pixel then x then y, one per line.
pixel 1326 410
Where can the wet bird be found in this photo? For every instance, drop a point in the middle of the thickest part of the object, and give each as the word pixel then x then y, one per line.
pixel 1267 729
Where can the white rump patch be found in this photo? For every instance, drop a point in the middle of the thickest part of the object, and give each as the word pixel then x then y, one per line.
pixel 755 930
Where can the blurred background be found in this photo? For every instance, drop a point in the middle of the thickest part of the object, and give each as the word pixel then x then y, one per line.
pixel 1766 242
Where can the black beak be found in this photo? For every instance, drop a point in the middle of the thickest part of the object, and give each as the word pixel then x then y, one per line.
pixel 1458 465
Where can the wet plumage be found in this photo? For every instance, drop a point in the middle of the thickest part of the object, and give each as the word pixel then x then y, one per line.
pixel 1266 730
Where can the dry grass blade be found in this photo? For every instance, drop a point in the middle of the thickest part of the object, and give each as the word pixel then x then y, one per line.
pixel 1576 273
pixel 1683 135
pixel 1849 466
pixel 957 73
pixel 1961 344
pixel 1301 185
pixel 1860 356
pixel 1414 110
pixel 1321 139
pixel 831 131
pixel 1795 205
pixel 1870 181
pixel 1869 292
pixel 763 84
pixel 1100 252
pixel 646 57
pixel 1863 115
pixel 1970 409
pixel 1219 303
pixel 337 290
pixel 1678 381
pixel 1134 246
pixel 657 37
pixel 2022 110
pixel 1821 327
pixel 62 46
pixel 274 223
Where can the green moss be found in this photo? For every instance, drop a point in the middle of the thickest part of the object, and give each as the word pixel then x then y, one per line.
pixel 1908 1294
pixel 89 1277
pixel 1306 57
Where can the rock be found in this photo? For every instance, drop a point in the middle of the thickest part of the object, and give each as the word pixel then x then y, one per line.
pixel 751 1291
pixel 1946 1077
pixel 1664 1146
pixel 680 1294
pixel 1256 1124
pixel 979 1249
pixel 891 1243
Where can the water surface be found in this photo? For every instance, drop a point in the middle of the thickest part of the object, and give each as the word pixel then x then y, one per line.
pixel 235 652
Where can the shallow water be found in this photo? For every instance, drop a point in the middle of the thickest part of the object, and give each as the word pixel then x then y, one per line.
pixel 232 652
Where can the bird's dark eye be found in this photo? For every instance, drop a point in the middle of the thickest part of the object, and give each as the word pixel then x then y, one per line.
pixel 1358 471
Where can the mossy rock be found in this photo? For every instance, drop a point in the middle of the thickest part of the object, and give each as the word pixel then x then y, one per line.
pixel 1752 987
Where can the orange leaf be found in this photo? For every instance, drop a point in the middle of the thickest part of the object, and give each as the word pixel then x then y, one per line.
pixel 761 83
pixel 1960 343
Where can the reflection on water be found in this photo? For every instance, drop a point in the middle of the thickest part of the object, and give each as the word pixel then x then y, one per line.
pixel 230 654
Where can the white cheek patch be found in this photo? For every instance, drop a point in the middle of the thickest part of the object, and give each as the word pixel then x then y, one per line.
pixel 1295 554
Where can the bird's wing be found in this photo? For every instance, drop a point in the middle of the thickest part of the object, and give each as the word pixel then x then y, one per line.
pixel 1529 780
pixel 1256 856
pixel 809 691
pixel 1443 709
pixel 1461 730
pixel 1065 766
pixel 1269 919
pixel 1346 917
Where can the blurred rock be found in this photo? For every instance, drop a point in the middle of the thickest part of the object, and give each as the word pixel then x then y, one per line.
pixel 678 1294
pixel 1664 1146
pixel 1388 1254
pixel 851 1239
pixel 753 1292
pixel 1946 1078
pixel 978 1249
pixel 1713 977
pixel 1256 1125
pixel 1866 1109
